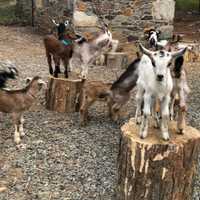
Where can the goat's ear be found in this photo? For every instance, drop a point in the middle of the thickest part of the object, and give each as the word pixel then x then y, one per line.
pixel 54 22
pixel 42 83
pixel 158 32
pixel 144 50
pixel 179 53
pixel 28 80
pixel 66 23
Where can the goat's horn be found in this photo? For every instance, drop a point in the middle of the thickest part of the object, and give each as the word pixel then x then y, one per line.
pixel 144 50
pixel 179 53
pixel 55 22
pixel 66 23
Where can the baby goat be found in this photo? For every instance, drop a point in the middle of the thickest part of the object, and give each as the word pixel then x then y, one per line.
pixel 92 91
pixel 179 94
pixel 16 102
pixel 155 81
pixel 116 95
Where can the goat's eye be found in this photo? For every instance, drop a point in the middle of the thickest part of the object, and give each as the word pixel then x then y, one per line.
pixel 169 64
pixel 153 63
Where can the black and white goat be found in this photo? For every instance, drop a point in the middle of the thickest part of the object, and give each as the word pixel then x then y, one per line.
pixel 7 71
pixel 155 82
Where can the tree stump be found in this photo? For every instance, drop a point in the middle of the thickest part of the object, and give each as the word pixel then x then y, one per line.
pixel 152 169
pixel 117 60
pixel 63 94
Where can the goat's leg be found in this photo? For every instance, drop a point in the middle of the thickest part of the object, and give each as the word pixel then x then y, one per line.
pixel 181 121
pixel 146 115
pixel 172 114
pixel 139 101
pixel 84 71
pixel 48 55
pixel 21 128
pixel 156 112
pixel 66 63
pixel 165 117
pixel 16 121
pixel 57 65
pixel 86 103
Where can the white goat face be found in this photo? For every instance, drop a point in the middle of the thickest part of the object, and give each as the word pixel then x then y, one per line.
pixel 161 61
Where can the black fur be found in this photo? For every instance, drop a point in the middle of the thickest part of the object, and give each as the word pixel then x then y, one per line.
pixel 178 66
pixel 61 30
pixel 131 74
pixel 8 74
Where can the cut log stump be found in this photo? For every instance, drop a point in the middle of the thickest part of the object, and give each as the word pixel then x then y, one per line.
pixel 152 169
pixel 117 60
pixel 63 94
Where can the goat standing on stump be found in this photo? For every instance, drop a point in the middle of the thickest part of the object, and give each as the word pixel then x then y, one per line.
pixel 60 48
pixel 16 102
pixel 155 81
pixel 179 94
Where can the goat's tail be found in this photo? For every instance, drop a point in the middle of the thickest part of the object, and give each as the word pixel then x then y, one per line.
pixel 7 71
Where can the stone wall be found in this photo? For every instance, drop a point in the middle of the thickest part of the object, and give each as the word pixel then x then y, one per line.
pixel 24 10
pixel 126 18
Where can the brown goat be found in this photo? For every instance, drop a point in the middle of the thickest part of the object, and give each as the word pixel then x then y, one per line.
pixel 60 48
pixel 92 91
pixel 16 102
pixel 116 95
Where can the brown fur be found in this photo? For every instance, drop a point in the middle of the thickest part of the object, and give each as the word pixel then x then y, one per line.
pixel 56 49
pixel 16 102
pixel 92 91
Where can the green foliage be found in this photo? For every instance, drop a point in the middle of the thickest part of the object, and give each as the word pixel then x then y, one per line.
pixel 7 15
pixel 187 4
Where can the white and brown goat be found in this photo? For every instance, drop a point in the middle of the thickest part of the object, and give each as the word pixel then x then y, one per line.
pixel 85 52
pixel 16 102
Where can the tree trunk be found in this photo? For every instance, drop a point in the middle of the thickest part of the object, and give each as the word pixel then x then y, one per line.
pixel 152 169
pixel 63 94
pixel 117 60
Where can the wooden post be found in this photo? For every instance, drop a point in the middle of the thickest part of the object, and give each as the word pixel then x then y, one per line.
pixel 63 94
pixel 152 169
pixel 116 60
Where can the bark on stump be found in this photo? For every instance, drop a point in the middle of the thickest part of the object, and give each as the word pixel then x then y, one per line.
pixel 152 169
pixel 117 60
pixel 63 94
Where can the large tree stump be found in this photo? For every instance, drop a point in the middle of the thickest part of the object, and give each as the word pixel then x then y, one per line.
pixel 63 94
pixel 117 60
pixel 152 169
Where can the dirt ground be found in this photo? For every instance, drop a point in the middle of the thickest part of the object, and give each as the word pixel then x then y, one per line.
pixel 60 160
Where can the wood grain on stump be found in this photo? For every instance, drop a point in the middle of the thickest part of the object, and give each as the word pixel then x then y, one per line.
pixel 152 169
pixel 63 94
pixel 116 60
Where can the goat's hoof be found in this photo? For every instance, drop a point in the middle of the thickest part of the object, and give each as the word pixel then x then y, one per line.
pixel 181 131
pixel 22 133
pixel 17 140
pixel 142 137
pixel 165 136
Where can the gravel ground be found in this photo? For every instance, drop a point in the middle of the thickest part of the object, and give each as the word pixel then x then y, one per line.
pixel 58 158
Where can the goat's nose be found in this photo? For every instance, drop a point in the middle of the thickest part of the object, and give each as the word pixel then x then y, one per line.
pixel 160 77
